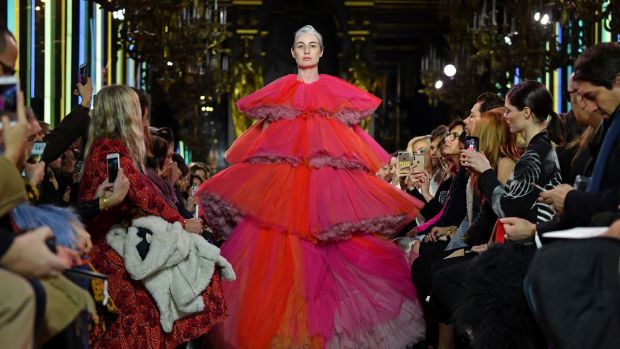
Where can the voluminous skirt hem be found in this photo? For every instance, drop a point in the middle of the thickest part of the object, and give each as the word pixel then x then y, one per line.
pixel 294 293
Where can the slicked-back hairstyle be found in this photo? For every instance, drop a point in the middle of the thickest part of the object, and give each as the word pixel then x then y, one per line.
pixel 489 101
pixel 308 29
pixel 534 95
pixel 599 65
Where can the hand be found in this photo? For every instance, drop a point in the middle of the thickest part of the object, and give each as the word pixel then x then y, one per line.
pixel 66 196
pixel 15 136
pixel 518 228
pixel 35 172
pixel 191 204
pixel 85 91
pixel 480 248
pixel 120 188
pixel 614 231
pixel 555 197
pixel 193 225
pixel 29 255
pixel 69 256
pixel 435 233
pixel 474 160
pixel 83 243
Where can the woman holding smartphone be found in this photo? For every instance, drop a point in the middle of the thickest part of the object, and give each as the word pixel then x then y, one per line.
pixel 492 296
pixel 116 132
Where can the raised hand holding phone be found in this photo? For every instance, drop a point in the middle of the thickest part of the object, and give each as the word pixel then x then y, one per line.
pixel 113 165
pixel 9 101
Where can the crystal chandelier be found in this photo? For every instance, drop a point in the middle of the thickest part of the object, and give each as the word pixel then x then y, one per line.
pixel 182 41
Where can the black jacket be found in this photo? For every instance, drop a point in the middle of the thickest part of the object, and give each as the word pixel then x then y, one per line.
pixel 71 128
pixel 580 207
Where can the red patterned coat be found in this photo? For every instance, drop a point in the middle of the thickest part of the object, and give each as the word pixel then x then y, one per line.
pixel 138 324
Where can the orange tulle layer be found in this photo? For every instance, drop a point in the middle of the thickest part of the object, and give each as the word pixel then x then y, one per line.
pixel 314 203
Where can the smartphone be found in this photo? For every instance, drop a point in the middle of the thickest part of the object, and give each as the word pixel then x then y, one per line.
pixel 417 163
pixel 78 166
pixel 194 189
pixel 113 163
pixel 538 187
pixel 83 74
pixel 472 143
pixel 403 167
pixel 36 153
pixel 9 86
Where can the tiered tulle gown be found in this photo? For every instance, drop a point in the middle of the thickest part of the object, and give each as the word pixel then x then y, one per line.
pixel 308 225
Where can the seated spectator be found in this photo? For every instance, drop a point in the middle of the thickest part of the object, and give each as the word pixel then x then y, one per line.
pixel 137 310
pixel 555 274
pixel 529 104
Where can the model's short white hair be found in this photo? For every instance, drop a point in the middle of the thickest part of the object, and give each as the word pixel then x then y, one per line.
pixel 308 29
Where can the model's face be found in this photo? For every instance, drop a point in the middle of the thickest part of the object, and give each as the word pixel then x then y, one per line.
pixel 307 51
pixel 451 146
pixel 472 120
pixel 8 57
pixel 599 98
pixel 515 118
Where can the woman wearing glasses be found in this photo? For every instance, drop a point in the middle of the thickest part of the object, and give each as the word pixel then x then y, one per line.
pixel 492 297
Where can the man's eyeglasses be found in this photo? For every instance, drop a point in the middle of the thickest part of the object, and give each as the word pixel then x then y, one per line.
pixel 7 71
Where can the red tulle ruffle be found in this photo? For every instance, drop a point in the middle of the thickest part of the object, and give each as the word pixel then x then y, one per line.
pixel 309 139
pixel 331 97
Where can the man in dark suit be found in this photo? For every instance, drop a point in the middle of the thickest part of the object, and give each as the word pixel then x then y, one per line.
pixel 572 286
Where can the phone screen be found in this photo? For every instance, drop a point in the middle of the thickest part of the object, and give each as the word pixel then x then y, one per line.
pixel 472 143
pixel 8 98
pixel 83 74
pixel 112 168
pixel 417 162
pixel 404 163
pixel 37 151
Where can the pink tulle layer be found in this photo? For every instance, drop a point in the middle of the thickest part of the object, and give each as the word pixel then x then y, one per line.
pixel 315 140
pixel 292 293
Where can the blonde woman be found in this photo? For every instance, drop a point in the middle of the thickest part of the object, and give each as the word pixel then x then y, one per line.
pixel 116 127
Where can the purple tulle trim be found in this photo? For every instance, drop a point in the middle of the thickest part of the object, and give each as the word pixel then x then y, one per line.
pixel 279 112
pixel 386 226
pixel 325 160
pixel 222 216
pixel 314 162
pixel 273 159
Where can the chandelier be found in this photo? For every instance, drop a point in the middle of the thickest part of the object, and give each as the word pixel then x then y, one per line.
pixel 181 40
pixel 494 43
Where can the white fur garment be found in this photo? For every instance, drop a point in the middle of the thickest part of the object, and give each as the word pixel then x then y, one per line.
pixel 177 269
